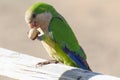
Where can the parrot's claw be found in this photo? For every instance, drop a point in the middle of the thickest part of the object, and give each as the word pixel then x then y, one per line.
pixel 40 64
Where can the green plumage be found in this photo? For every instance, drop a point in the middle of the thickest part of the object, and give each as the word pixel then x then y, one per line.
pixel 40 7
pixel 59 38
pixel 56 52
pixel 64 36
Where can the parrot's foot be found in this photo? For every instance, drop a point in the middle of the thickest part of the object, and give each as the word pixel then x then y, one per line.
pixel 46 62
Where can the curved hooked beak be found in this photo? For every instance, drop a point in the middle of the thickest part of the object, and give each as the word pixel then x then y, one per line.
pixel 33 24
pixel 33 32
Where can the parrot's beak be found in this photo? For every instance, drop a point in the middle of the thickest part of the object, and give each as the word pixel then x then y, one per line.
pixel 33 25
pixel 33 32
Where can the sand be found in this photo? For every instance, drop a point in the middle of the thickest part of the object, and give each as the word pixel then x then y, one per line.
pixel 96 24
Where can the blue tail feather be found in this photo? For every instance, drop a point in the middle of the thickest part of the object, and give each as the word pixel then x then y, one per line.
pixel 77 59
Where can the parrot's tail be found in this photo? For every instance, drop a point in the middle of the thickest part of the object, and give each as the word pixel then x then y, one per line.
pixel 79 61
pixel 85 62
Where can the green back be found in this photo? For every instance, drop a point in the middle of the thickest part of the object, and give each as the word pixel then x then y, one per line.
pixel 64 36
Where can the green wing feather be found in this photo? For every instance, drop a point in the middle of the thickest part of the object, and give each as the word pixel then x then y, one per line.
pixel 64 36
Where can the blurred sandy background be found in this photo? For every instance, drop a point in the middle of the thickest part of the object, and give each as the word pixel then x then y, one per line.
pixel 96 24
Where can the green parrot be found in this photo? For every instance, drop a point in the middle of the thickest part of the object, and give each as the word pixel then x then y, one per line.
pixel 55 34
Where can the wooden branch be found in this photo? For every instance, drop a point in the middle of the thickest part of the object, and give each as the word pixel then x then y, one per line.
pixel 23 67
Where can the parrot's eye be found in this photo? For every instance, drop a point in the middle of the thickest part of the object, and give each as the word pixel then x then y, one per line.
pixel 33 15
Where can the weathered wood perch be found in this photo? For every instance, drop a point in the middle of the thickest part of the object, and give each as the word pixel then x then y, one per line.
pixel 23 67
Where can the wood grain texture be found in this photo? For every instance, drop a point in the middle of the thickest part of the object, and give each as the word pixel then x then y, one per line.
pixel 23 67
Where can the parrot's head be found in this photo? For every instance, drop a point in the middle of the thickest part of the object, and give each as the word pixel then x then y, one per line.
pixel 39 16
